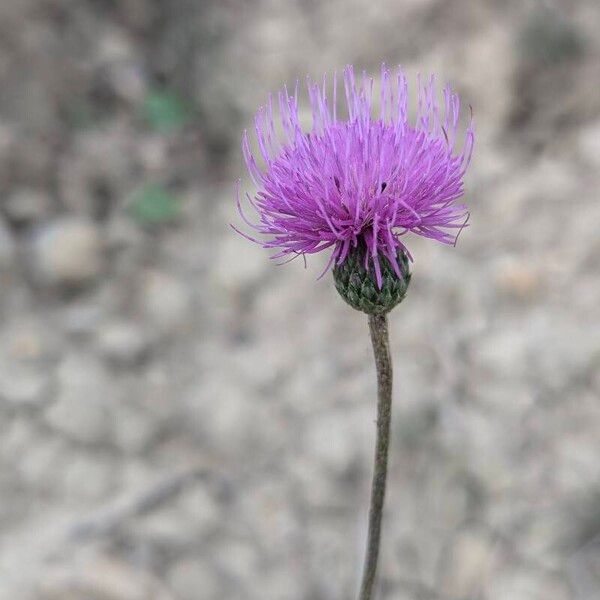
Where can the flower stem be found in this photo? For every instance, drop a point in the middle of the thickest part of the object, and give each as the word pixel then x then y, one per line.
pixel 378 326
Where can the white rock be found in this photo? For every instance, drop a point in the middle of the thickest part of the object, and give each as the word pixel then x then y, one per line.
pixel 28 340
pixel 167 527
pixel 238 559
pixel 518 279
pixel 470 563
pixel 100 578
pixel 337 439
pixel 223 412
pixel 29 346
pixel 154 153
pixel 504 351
pixel 39 461
pixel 81 410
pixel 526 585
pixel 123 343
pixel 21 385
pixel 165 301
pixel 200 509
pixel 133 428
pixel 192 579
pixel 128 81
pixel 239 263
pixel 19 435
pixel 83 318
pixel 67 251
pixel 87 477
pixel 589 143
pixel 114 45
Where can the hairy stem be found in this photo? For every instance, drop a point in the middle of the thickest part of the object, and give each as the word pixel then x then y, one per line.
pixel 378 326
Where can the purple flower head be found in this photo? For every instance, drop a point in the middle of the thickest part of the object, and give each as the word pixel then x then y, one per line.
pixel 363 180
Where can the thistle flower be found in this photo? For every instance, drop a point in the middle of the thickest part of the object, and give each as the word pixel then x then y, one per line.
pixel 357 185
pixel 360 182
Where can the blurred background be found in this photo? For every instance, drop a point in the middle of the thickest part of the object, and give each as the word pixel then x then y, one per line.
pixel 182 420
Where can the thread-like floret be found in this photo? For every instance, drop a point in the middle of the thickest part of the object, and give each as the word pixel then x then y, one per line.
pixel 367 178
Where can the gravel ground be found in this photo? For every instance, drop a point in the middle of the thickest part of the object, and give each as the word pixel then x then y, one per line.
pixel 182 420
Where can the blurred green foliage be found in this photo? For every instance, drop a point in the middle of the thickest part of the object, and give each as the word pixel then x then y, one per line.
pixel 164 111
pixel 155 205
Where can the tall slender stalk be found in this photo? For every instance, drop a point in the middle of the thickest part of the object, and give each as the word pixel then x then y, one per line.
pixel 378 326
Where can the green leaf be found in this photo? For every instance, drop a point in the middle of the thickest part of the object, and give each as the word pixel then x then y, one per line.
pixel 154 205
pixel 164 111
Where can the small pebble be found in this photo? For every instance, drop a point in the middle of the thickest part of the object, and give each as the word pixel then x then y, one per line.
pixel 165 301
pixel 123 343
pixel 67 252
